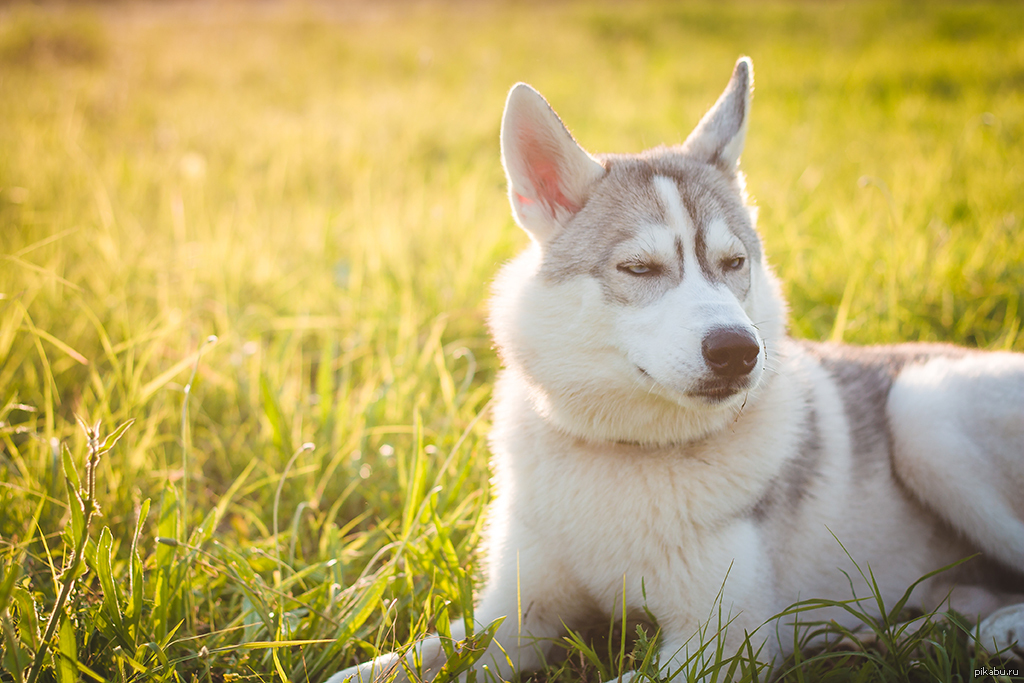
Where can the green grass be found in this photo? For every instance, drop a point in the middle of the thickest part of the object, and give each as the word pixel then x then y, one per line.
pixel 320 189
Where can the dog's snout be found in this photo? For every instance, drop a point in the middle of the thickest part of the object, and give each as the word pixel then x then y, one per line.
pixel 730 351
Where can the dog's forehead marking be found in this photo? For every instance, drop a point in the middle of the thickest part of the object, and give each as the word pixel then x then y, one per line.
pixel 699 236
pixel 659 190
pixel 677 218
pixel 708 197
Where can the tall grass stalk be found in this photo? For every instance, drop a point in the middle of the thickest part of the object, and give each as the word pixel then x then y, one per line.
pixel 84 506
pixel 186 437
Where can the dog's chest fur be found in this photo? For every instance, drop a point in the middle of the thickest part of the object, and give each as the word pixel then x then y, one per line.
pixel 805 464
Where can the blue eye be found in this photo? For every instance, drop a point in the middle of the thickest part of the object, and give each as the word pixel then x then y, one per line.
pixel 734 263
pixel 636 268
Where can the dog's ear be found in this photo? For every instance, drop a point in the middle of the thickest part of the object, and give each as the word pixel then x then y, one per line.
pixel 549 175
pixel 718 138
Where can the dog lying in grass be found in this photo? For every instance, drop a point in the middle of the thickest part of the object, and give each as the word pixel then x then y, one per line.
pixel 661 445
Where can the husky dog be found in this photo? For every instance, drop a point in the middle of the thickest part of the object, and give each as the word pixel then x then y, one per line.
pixel 660 444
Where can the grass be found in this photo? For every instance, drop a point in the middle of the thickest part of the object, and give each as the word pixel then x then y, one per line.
pixel 318 188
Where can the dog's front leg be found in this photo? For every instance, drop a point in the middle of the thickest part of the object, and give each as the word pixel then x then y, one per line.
pixel 425 659
pixel 519 644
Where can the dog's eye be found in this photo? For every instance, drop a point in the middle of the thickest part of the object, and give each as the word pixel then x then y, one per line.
pixel 735 263
pixel 637 268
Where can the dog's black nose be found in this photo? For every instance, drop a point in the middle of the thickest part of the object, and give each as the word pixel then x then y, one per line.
pixel 730 351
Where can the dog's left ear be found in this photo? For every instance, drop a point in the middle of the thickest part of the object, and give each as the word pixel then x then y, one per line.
pixel 549 175
pixel 718 138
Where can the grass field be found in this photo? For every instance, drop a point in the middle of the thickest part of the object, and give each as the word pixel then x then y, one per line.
pixel 319 188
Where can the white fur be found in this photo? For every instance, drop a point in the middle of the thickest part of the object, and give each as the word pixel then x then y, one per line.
pixel 615 476
pixel 966 422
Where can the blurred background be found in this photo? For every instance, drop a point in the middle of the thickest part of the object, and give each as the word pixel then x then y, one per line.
pixel 318 186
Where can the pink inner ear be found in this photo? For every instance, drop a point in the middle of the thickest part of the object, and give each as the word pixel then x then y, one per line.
pixel 543 172
pixel 525 201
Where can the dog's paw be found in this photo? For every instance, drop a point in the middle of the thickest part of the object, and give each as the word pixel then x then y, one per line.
pixel 378 669
pixel 1003 632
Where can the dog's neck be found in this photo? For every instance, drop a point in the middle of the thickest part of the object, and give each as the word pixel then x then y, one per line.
pixel 676 428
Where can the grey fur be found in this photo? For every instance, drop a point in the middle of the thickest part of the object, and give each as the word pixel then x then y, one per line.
pixel 795 482
pixel 625 199
pixel 864 376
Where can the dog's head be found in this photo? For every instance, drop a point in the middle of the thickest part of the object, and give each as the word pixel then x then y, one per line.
pixel 643 310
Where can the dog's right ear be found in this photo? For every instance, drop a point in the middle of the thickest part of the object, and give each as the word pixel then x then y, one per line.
pixel 549 175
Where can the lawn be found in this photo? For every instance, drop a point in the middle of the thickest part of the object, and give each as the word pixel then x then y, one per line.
pixel 263 233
